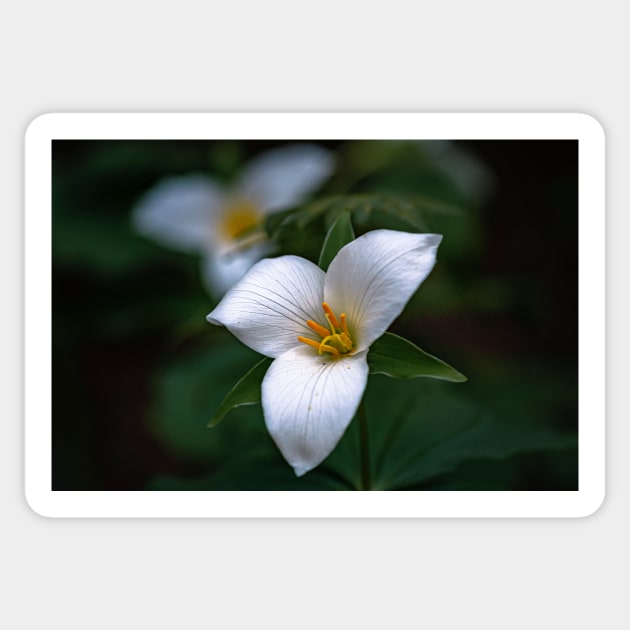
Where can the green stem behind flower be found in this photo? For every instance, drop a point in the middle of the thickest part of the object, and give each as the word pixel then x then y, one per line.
pixel 366 476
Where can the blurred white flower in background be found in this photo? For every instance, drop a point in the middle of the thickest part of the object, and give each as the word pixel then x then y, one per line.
pixel 196 214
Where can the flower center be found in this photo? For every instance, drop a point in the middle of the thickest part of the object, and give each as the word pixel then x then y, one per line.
pixel 238 216
pixel 335 339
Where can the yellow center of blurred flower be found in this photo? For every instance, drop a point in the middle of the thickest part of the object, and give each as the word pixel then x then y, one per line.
pixel 336 339
pixel 239 216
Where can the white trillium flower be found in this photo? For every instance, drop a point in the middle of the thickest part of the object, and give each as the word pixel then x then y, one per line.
pixel 193 213
pixel 318 328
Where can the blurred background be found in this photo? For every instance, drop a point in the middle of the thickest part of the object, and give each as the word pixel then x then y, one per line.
pixel 138 373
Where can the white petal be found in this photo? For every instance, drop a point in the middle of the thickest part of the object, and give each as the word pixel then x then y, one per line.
pixel 268 309
pixel 221 270
pixel 309 400
pixel 283 177
pixel 372 278
pixel 178 212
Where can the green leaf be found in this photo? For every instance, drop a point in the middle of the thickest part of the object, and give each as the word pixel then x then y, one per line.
pixel 422 432
pixel 254 469
pixel 300 230
pixel 398 358
pixel 189 388
pixel 245 392
pixel 339 234
pixel 408 211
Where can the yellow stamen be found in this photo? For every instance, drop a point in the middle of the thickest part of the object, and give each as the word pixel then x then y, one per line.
pixel 310 342
pixel 327 339
pixel 320 347
pixel 320 330
pixel 330 325
pixel 336 341
pixel 326 348
pixel 344 326
pixel 346 342
pixel 330 316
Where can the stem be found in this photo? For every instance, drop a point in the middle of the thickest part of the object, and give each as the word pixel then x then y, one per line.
pixel 366 477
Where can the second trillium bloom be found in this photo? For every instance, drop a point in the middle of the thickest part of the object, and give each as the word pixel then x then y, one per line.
pixel 194 213
pixel 318 328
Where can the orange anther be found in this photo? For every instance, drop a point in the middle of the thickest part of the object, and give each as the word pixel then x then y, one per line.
pixel 331 315
pixel 344 326
pixel 309 342
pixel 320 330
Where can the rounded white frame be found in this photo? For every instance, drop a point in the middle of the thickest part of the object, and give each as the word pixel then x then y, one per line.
pixel 258 126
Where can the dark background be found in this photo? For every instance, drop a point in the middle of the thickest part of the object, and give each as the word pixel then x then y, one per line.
pixel 131 348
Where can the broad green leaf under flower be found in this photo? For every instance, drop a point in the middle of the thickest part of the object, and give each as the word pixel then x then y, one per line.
pixel 396 357
pixel 318 327
pixel 245 392
pixel 390 355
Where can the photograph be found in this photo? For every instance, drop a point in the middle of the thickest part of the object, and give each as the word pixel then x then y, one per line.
pixel 314 314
